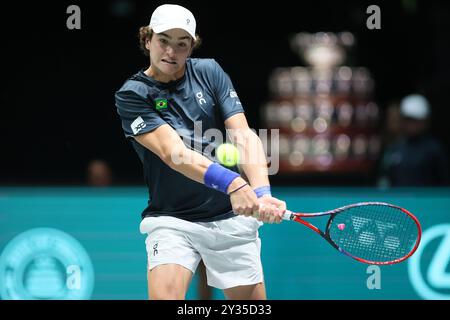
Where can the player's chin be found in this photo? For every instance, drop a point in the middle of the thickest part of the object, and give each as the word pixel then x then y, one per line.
pixel 170 69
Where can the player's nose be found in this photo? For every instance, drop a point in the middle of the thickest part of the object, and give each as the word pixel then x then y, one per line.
pixel 170 52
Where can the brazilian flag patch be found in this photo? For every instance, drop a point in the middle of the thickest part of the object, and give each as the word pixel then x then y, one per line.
pixel 161 104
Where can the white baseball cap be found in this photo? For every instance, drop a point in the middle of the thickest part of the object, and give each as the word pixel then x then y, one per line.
pixel 172 16
pixel 415 106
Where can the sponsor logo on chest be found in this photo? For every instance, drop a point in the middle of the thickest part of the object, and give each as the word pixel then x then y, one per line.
pixel 200 98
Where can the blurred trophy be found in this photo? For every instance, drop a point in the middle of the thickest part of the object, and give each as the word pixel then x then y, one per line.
pixel 324 109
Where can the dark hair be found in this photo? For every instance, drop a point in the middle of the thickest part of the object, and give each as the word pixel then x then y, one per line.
pixel 145 33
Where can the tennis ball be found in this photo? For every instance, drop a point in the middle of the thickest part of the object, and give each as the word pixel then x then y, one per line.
pixel 227 154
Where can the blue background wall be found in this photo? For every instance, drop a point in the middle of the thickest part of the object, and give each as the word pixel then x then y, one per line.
pixel 298 264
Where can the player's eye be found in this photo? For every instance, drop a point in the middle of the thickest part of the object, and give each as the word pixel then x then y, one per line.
pixel 163 41
pixel 182 44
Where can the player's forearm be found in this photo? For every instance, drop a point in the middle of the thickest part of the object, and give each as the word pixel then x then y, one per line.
pixel 257 175
pixel 253 159
pixel 167 145
pixel 195 166
pixel 187 162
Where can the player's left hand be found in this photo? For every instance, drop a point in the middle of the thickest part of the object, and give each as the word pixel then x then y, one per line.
pixel 271 209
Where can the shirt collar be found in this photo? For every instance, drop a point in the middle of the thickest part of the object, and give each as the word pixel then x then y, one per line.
pixel 175 85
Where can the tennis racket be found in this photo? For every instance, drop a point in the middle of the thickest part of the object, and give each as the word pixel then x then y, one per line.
pixel 369 232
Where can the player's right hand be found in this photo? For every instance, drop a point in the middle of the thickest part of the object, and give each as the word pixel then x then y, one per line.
pixel 244 200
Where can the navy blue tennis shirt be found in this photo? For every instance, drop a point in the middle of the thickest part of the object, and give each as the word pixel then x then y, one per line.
pixel 202 99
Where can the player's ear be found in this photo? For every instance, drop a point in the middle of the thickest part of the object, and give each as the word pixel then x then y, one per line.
pixel 192 49
pixel 147 44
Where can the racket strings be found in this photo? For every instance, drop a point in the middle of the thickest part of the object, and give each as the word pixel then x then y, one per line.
pixel 374 232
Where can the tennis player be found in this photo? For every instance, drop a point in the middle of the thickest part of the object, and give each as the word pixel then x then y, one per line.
pixel 198 209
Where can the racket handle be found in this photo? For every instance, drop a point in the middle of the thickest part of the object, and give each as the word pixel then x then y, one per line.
pixel 287 215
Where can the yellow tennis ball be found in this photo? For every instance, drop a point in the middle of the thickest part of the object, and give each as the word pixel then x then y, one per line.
pixel 227 154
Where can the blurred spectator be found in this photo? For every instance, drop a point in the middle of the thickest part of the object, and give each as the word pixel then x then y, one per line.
pixel 416 158
pixel 99 173
pixel 392 130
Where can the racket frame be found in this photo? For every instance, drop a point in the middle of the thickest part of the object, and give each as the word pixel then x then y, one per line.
pixel 297 217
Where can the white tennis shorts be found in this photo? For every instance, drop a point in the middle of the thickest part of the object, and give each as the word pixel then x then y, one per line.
pixel 230 248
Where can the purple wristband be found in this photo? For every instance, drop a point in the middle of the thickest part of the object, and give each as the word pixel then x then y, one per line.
pixel 262 191
pixel 218 177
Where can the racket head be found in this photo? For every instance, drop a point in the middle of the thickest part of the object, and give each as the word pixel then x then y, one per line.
pixel 374 232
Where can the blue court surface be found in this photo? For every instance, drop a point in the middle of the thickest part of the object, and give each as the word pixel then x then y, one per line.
pixel 84 243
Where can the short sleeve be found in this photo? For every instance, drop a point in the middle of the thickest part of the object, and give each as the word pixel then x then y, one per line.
pixel 225 93
pixel 137 115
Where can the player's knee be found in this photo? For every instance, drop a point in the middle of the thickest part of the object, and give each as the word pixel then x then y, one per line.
pixel 166 295
pixel 167 291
